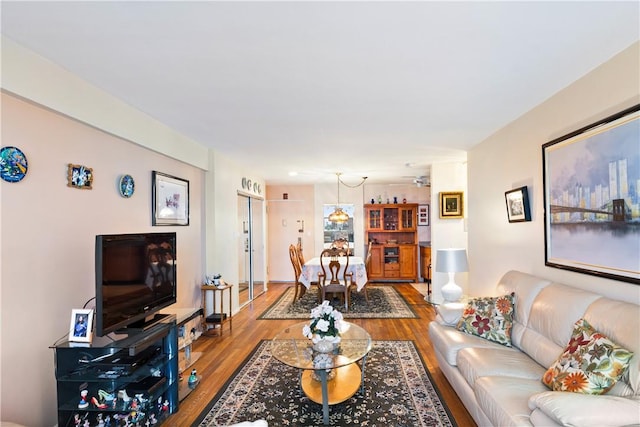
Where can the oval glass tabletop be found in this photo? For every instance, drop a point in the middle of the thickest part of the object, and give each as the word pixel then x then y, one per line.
pixel 294 349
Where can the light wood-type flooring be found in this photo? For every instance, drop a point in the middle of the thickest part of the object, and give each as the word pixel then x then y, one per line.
pixel 222 355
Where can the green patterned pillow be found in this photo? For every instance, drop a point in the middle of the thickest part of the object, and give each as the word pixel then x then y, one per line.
pixel 591 363
pixel 490 318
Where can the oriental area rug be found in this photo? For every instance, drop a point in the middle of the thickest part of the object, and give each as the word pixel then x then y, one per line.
pixel 384 303
pixel 398 391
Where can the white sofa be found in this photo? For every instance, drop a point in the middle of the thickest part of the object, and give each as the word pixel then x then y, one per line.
pixel 501 386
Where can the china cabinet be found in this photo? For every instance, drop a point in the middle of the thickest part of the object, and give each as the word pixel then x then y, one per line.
pixel 391 228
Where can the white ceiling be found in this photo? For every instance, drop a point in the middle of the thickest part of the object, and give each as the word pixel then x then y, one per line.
pixel 361 88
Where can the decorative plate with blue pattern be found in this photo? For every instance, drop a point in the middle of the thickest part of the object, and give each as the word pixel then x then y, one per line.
pixel 127 186
pixel 13 164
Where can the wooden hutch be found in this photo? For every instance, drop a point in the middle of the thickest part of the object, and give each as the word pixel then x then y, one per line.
pixel 394 251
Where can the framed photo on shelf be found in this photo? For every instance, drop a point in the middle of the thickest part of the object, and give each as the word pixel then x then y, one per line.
pixel 590 205
pixel 423 214
pixel 451 205
pixel 170 199
pixel 81 325
pixel 518 205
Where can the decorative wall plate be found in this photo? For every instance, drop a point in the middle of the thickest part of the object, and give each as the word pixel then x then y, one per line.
pixel 126 186
pixel 13 164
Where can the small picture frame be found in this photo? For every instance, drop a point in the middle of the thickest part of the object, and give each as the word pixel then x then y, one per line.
pixel 423 214
pixel 517 201
pixel 81 327
pixel 170 199
pixel 80 177
pixel 451 205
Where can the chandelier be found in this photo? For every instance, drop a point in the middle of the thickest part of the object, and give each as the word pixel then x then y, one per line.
pixel 339 216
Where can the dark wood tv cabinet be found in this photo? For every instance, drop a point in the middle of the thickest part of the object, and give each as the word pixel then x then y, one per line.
pixel 129 377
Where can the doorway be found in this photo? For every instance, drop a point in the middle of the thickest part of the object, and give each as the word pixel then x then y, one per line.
pixel 251 252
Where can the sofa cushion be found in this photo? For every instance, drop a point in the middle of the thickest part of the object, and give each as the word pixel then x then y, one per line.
pixel 449 341
pixel 490 318
pixel 585 410
pixel 591 363
pixel 526 288
pixel 504 400
pixel 618 320
pixel 474 363
pixel 553 313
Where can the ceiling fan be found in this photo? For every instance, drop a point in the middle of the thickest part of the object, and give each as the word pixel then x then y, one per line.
pixel 420 180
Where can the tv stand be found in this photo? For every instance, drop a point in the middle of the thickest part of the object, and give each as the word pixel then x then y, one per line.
pixel 142 367
pixel 143 325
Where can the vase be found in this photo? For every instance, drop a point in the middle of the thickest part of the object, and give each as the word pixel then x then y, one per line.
pixel 323 346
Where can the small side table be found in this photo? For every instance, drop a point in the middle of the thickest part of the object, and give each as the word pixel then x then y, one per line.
pixel 216 318
pixel 449 311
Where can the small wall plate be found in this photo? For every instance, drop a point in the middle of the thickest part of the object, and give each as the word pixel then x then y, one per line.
pixel 13 164
pixel 126 186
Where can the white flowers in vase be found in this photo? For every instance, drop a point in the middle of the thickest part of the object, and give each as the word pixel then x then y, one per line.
pixel 325 324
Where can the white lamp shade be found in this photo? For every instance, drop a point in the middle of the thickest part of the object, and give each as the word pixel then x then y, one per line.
pixel 451 261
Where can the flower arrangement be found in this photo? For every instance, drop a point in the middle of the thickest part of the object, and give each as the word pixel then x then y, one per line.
pixel 325 324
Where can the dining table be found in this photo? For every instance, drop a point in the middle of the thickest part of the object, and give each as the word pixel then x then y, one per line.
pixel 312 267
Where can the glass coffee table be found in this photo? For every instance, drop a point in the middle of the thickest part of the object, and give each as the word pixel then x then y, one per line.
pixel 326 378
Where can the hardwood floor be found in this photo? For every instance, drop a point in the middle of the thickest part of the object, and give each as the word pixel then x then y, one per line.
pixel 222 355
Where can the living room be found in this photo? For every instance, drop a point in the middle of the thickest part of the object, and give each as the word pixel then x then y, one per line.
pixel 48 229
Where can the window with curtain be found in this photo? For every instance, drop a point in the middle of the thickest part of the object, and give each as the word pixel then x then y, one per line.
pixel 334 231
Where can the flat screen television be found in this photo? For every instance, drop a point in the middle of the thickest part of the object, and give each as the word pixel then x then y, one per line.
pixel 135 278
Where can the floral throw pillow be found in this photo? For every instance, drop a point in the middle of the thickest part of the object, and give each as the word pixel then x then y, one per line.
pixel 490 318
pixel 590 364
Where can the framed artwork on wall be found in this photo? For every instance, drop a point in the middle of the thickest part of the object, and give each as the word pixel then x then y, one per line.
pixel 170 199
pixel 80 177
pixel 518 205
pixel 81 325
pixel 592 220
pixel 423 214
pixel 451 205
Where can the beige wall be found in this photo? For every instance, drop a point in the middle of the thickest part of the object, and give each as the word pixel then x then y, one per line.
pixel 48 241
pixel 283 226
pixel 512 157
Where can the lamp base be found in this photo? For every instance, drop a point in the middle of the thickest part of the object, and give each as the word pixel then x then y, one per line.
pixel 451 292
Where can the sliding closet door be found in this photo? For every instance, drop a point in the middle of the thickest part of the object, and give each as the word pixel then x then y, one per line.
pixel 251 252
pixel 258 244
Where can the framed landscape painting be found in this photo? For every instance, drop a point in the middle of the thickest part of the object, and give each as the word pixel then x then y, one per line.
pixel 170 200
pixel 592 196
pixel 451 205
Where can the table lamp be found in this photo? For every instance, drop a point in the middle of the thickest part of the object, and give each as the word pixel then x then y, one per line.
pixel 451 261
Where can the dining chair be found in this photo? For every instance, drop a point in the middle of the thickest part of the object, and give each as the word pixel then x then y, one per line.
pixel 297 271
pixel 334 278
pixel 313 282
pixel 342 245
pixel 299 251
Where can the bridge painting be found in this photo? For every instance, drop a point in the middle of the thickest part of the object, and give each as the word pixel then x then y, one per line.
pixel 615 211
pixel 592 198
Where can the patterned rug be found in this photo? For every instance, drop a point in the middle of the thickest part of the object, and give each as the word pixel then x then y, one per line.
pixel 384 303
pixel 398 391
